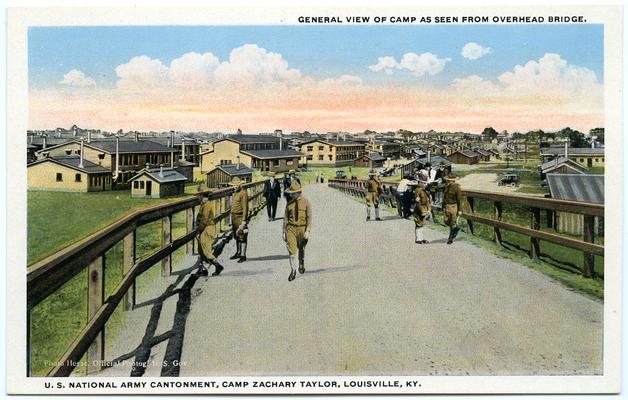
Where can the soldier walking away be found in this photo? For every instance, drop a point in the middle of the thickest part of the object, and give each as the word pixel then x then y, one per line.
pixel 452 206
pixel 297 224
pixel 239 219
pixel 206 234
pixel 272 193
pixel 422 208
pixel 373 191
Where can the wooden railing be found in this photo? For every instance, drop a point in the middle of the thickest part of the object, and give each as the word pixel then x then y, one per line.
pixel 50 274
pixel 589 212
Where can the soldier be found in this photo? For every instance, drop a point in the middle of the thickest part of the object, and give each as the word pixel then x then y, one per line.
pixel 452 206
pixel 239 219
pixel 287 182
pixel 206 234
pixel 422 208
pixel 297 224
pixel 373 191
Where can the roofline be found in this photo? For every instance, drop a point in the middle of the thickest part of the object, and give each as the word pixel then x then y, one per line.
pixel 146 172
pixel 92 146
pixel 332 144
pixel 66 165
pixel 254 156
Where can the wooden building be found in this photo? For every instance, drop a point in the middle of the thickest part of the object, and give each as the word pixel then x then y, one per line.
pixel 464 157
pixel 372 160
pixel 157 183
pixel 68 174
pixel 331 153
pixel 586 156
pixel 588 188
pixel 561 165
pixel 385 149
pixel 223 174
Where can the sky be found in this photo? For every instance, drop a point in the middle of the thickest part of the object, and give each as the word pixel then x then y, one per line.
pixel 317 77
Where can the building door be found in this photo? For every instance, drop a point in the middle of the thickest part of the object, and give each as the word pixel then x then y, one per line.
pixel 149 188
pixel 589 162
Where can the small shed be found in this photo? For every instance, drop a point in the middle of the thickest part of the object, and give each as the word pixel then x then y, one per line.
pixel 561 165
pixel 372 160
pixel 223 174
pixel 186 168
pixel 485 155
pixel 157 183
pixel 576 187
pixel 464 157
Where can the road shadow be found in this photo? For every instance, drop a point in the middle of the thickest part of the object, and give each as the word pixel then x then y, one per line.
pixel 269 258
pixel 333 269
pixel 248 272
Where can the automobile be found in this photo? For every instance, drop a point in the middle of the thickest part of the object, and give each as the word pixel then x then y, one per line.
pixel 508 179
pixel 341 174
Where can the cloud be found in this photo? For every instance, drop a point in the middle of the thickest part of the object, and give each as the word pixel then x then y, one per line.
pixel 251 64
pixel 474 85
pixel 77 78
pixel 142 72
pixel 387 64
pixel 193 69
pixel 473 51
pixel 426 63
pixel 551 75
pixel 344 80
pixel 418 64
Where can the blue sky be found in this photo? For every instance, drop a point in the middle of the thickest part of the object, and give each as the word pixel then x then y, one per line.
pixel 317 51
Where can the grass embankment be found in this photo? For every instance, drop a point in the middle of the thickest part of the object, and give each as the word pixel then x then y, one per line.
pixel 56 220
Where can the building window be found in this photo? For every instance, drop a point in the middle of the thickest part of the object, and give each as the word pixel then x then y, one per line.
pixel 68 152
pixel 135 159
pixel 77 178
pixel 310 148
pixel 321 148
pixel 59 177
pixel 582 160
pixel 136 184
pixel 101 156
pixel 225 162
pixel 331 158
pixel 597 160
pixel 77 152
pixel 141 184
pixel 320 158
pixel 310 158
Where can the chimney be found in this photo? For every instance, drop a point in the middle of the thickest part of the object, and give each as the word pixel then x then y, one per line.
pixel 161 170
pixel 44 142
pixel 280 142
pixel 136 136
pixel 117 156
pixel 89 136
pixel 566 148
pixel 429 156
pixel 183 149
pixel 238 165
pixel 81 156
pixel 172 159
pixel 172 138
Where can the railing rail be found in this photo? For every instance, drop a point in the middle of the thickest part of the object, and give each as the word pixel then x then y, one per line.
pixel 47 276
pixel 589 211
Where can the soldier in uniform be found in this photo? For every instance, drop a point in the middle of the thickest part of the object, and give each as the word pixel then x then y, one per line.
pixel 422 208
pixel 373 191
pixel 206 234
pixel 297 224
pixel 452 206
pixel 239 219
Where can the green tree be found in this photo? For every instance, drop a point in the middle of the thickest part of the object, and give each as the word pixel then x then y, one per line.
pixel 576 138
pixel 489 133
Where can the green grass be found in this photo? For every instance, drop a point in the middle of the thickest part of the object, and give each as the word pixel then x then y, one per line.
pixel 57 219
pixel 533 189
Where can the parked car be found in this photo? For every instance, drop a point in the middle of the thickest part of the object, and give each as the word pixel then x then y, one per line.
pixel 508 179
pixel 341 174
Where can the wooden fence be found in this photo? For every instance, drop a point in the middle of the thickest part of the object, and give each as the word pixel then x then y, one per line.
pixel 49 275
pixel 535 204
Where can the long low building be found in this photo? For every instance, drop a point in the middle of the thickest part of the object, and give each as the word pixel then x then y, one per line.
pixel 68 173
pixel 331 153
pixel 586 156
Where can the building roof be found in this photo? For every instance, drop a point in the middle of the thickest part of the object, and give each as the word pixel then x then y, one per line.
pixel 374 157
pixel 596 151
pixel 483 152
pixel 465 153
pixel 559 162
pixel 266 154
pixel 73 162
pixel 577 187
pixel 125 146
pixel 435 160
pixel 252 138
pixel 233 170
pixel 162 176
pixel 335 142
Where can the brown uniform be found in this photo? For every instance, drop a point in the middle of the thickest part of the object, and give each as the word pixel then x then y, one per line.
pixel 423 206
pixel 297 220
pixel 373 190
pixel 239 213
pixel 452 203
pixel 206 229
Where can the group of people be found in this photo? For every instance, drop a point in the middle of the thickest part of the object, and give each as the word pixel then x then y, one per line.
pixel 297 223
pixel 415 197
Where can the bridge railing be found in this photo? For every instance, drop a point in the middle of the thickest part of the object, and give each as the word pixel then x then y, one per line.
pixel 50 274
pixel 534 206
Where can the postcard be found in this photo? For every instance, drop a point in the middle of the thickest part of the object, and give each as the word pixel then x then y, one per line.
pixel 314 200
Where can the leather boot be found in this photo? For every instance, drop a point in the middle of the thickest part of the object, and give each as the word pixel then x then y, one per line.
pixel 242 252
pixel 377 218
pixel 301 262
pixel 219 268
pixel 237 254
pixel 451 236
pixel 368 213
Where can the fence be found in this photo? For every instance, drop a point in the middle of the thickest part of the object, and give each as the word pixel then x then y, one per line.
pixel 49 275
pixel 534 204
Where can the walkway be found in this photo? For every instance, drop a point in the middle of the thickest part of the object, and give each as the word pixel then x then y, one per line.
pixel 371 303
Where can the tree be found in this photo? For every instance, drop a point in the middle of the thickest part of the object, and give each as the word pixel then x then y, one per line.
pixel 489 133
pixel 576 138
pixel 598 133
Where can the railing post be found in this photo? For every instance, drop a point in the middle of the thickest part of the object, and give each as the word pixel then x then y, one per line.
pixel 497 233
pixel 128 249
pixel 535 250
pixel 189 227
pixel 471 202
pixel 166 238
pixel 588 270
pixel 95 299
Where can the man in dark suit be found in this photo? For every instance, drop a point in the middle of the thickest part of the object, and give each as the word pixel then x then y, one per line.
pixel 272 193
pixel 287 182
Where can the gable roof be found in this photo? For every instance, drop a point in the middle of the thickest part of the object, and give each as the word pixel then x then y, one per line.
pixel 265 154
pixel 577 187
pixel 251 138
pixel 466 153
pixel 560 161
pixel 373 156
pixel 165 176
pixel 233 170
pixel 73 162
pixel 596 151
pixel 125 146
pixel 335 142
